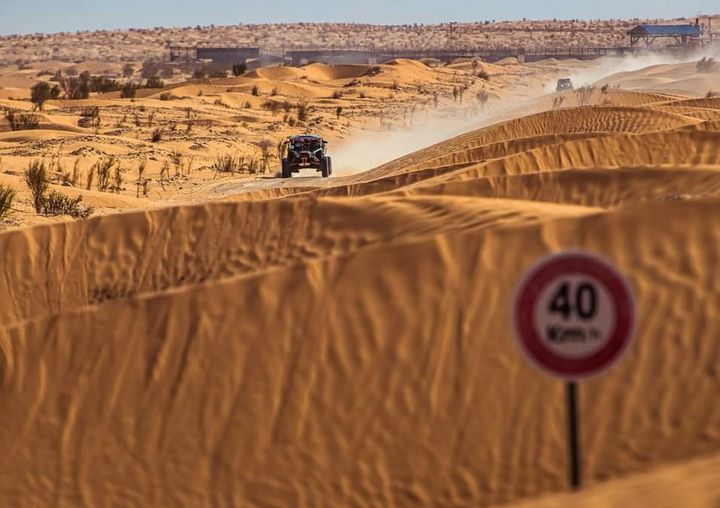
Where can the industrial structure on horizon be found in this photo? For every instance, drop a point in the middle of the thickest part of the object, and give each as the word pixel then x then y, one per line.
pixel 642 38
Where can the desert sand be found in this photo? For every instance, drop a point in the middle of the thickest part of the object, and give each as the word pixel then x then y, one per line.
pixel 243 340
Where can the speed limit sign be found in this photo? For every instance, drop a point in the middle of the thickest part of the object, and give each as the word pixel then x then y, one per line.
pixel 573 314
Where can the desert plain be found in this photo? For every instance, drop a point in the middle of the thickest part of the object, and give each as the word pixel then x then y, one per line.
pixel 214 335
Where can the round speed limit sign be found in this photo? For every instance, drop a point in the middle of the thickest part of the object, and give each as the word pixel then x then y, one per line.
pixel 573 314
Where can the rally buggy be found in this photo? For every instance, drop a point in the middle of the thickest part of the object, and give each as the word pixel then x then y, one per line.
pixel 564 84
pixel 305 151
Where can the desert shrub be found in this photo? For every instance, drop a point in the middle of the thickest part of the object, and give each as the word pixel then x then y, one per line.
pixel 128 70
pixel 21 121
pixel 37 181
pixel 141 182
pixel 90 117
pixel 103 84
pixel 128 91
pixel 76 88
pixel 706 64
pixel 239 69
pixel 42 92
pixel 483 74
pixel 157 135
pixel 150 68
pixel 287 106
pixel 711 94
pixel 337 94
pixel 166 96
pixel 104 170
pixel 584 94
pixel 302 111
pixel 271 106
pixel 338 112
pixel 59 204
pixel 247 105
pixel 292 122
pixel 266 155
pixel 273 92
pixel 198 74
pixel 117 178
pixel 255 90
pixel 7 196
pixel 154 82
pixel 218 74
pixel 227 164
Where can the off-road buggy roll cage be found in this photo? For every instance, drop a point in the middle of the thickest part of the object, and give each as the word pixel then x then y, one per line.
pixel 305 151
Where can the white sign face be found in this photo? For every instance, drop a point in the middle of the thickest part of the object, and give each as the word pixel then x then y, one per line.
pixel 573 314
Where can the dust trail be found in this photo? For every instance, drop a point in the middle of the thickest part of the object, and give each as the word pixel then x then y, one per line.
pixel 607 67
pixel 367 150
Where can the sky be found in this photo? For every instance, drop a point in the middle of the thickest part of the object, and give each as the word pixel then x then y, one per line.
pixel 32 16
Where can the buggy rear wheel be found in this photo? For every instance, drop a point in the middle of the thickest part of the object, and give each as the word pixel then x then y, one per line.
pixel 326 166
pixel 286 172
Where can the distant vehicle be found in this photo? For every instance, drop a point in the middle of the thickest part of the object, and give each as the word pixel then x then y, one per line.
pixel 564 84
pixel 305 151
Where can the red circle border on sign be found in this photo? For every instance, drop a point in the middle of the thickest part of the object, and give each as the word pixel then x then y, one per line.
pixel 530 288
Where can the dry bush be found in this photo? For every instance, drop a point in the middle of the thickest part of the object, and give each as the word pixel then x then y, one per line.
pixel 7 196
pixel 271 106
pixel 302 111
pixel 37 181
pixel 483 74
pixel 42 92
pixel 166 96
pixel 227 164
pixel 90 176
pixel 337 94
pixel 59 204
pixel 584 94
pixel 265 145
pixel 117 178
pixel 157 135
pixel 22 121
pixel 183 164
pixel 140 182
pixel 53 203
pixel 154 82
pixel 104 169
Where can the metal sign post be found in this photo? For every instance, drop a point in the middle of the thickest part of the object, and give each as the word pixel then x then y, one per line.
pixel 573 316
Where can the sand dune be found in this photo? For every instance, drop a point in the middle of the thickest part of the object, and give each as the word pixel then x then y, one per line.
pixel 351 367
pixel 345 341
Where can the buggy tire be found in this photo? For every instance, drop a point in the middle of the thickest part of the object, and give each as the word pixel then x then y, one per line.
pixel 326 167
pixel 286 172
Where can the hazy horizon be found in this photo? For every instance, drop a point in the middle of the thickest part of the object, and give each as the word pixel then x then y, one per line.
pixel 49 16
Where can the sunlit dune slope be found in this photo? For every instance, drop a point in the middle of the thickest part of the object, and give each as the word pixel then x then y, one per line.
pixel 387 376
